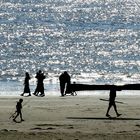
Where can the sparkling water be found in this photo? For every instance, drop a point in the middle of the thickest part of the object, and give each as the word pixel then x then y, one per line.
pixel 96 41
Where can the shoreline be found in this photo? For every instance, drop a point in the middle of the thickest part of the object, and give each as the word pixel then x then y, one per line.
pixel 79 93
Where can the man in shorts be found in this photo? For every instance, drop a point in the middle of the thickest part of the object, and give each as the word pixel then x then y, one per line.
pixel 112 102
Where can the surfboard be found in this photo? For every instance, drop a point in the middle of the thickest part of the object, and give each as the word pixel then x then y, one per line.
pixel 115 101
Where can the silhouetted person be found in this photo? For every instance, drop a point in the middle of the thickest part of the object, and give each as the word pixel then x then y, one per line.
pixel 73 92
pixel 65 82
pixel 40 85
pixel 18 110
pixel 26 84
pixel 112 102
pixel 62 84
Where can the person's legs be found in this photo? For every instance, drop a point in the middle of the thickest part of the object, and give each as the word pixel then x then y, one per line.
pixel 21 116
pixel 111 103
pixel 62 88
pixel 107 113
pixel 42 93
pixel 23 92
pixel 41 90
pixel 14 119
pixel 35 91
pixel 115 108
pixel 29 91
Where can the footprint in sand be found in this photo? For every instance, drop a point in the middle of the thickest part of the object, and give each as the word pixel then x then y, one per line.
pixel 4 130
pixel 13 130
pixel 137 125
pixel 71 127
pixel 39 128
pixel 36 128
pixel 50 128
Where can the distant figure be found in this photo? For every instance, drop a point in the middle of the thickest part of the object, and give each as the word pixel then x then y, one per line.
pixel 112 102
pixel 18 110
pixel 40 85
pixel 65 82
pixel 73 92
pixel 26 84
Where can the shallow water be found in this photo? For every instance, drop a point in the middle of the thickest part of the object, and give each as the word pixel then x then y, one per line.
pixel 15 88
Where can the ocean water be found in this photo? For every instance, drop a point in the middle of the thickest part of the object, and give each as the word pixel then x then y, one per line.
pixel 96 41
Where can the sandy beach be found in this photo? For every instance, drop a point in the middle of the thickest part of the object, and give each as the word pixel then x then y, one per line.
pixel 70 118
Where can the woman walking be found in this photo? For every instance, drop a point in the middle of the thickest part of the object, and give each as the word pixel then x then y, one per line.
pixel 26 84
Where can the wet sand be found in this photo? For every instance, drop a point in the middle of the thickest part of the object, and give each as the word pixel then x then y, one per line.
pixel 70 118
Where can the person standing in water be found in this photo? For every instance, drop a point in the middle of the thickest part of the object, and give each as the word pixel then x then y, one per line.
pixel 26 84
pixel 112 102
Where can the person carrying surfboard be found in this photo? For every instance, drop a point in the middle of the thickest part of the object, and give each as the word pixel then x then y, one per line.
pixel 112 97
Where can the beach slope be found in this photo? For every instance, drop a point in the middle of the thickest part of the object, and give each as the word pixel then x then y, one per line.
pixel 70 118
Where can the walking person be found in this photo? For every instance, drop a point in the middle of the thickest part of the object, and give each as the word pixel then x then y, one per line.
pixel 18 110
pixel 40 85
pixel 112 102
pixel 26 84
pixel 62 84
pixel 65 82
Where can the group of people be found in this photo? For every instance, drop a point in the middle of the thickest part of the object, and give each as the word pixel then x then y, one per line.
pixel 18 111
pixel 40 85
pixel 65 82
pixel 64 78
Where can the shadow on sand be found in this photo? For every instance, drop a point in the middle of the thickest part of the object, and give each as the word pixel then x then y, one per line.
pixel 103 118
